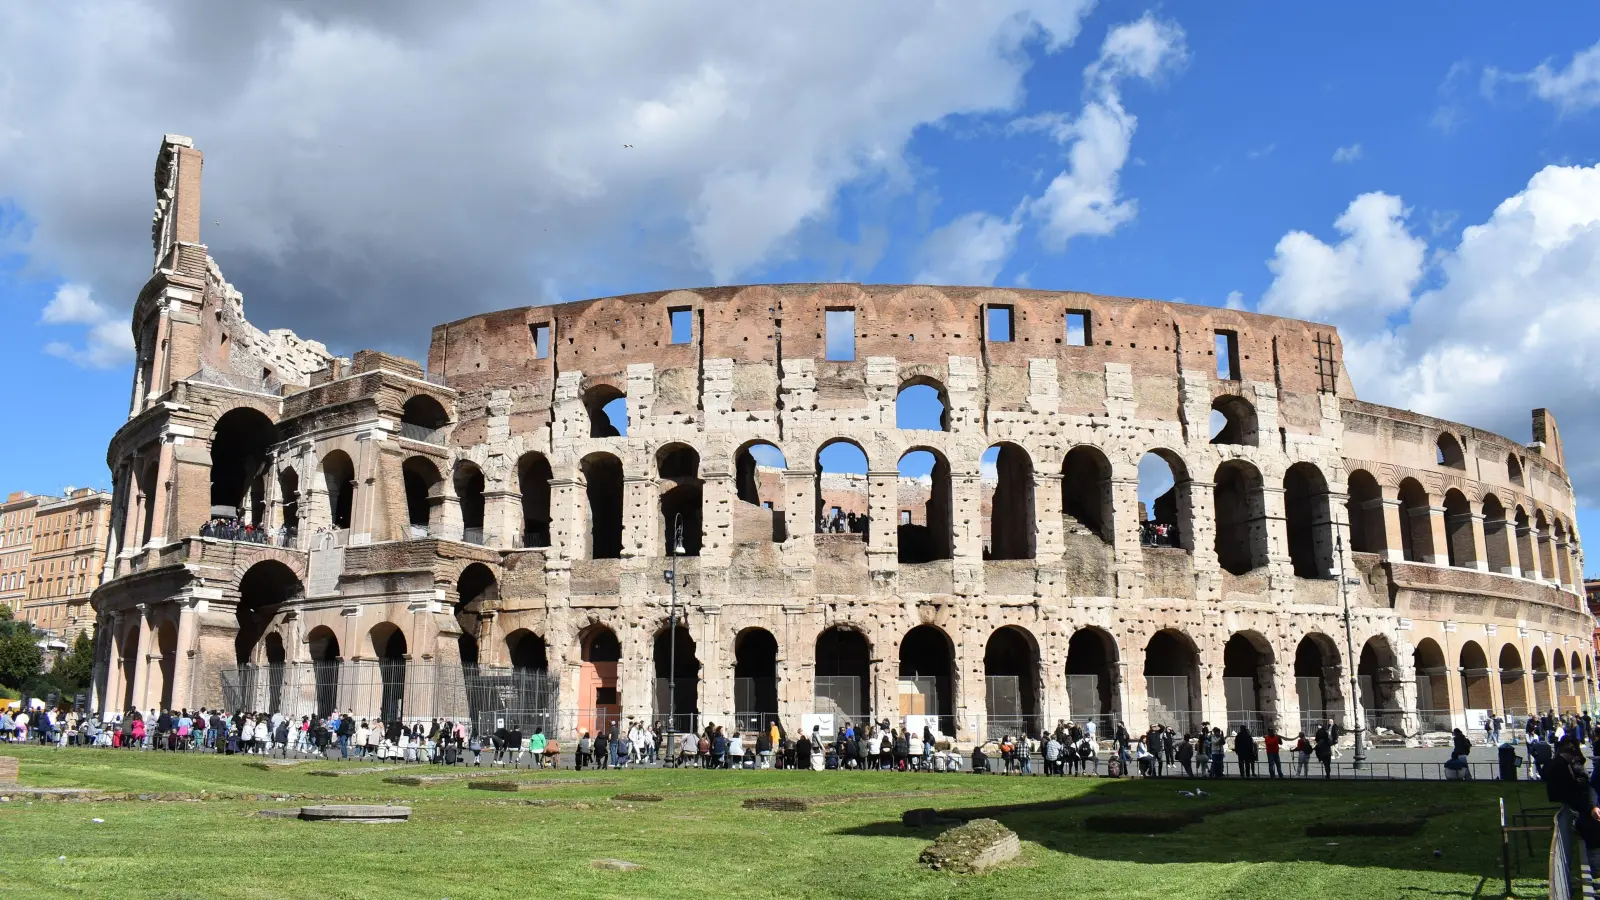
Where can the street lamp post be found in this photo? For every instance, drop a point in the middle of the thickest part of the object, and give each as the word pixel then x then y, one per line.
pixel 673 551
pixel 1350 658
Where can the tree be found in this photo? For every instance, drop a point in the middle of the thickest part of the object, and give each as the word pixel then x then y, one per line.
pixel 20 657
pixel 74 670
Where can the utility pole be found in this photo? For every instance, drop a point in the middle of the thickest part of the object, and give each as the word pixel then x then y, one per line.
pixel 1351 661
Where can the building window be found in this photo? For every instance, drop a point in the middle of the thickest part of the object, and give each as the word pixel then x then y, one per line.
pixel 999 324
pixel 841 339
pixel 1227 350
pixel 1078 328
pixel 541 339
pixel 682 323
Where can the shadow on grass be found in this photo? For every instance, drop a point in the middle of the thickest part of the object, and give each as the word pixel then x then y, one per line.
pixel 1266 821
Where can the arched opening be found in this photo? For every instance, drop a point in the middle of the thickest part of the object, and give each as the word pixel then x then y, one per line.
pixel 1009 523
pixel 597 678
pixel 1317 681
pixel 1416 522
pixel 1247 682
pixel 842 506
pixel 241 447
pixel 755 678
pixel 1241 517
pixel 262 592
pixel 1365 511
pixel 1233 421
pixel 1308 517
pixel 758 470
pixel 1547 559
pixel 1544 687
pixel 1525 543
pixel 339 480
pixel 1476 693
pixel 425 415
pixel 922 404
pixel 469 495
pixel 389 647
pixel 927 682
pixel 167 646
pixel 1011 679
pixel 147 478
pixel 602 480
pixel 476 590
pixel 424 495
pixel 527 653
pixel 608 411
pixel 277 666
pixel 1433 686
pixel 1462 550
pixel 1086 493
pixel 1513 696
pixel 843 680
pixel 1513 470
pixel 927 534
pixel 677 679
pixel 1092 678
pixel 1163 500
pixel 128 653
pixel 323 648
pixel 289 503
pixel 1172 681
pixel 682 492
pixel 533 483
pixel 1378 678
pixel 1563 573
pixel 1559 665
pixel 1496 536
pixel 1447 452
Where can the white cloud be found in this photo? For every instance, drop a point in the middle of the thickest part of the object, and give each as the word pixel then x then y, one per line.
pixel 108 339
pixel 1085 198
pixel 1573 89
pixel 969 250
pixel 1235 300
pixel 1358 282
pixel 362 159
pixel 1348 154
pixel 1510 320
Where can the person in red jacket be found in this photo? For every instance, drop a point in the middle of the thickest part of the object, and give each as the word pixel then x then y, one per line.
pixel 1274 761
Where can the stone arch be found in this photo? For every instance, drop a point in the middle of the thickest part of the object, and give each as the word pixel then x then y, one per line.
pixel 1012 687
pixel 1525 542
pixel 607 406
pixel 1086 496
pixel 1165 502
pixel 755 678
pixel 1460 543
pixel 468 482
pixel 1308 518
pixel 1239 504
pixel 425 413
pixel 1318 677
pixel 424 487
pixel 682 493
pixel 533 483
pixel 840 488
pixel 1433 685
pixel 1172 680
pixel 599 695
pixel 1513 696
pixel 928 675
pixel 1447 452
pixel 1476 694
pixel 758 481
pixel 1364 509
pixel 1416 517
pixel 1092 677
pixel 477 592
pixel 1558 666
pixel 602 479
pixel 241 454
pixel 1497 541
pixel 390 649
pixel 527 652
pixel 339 481
pixel 843 673
pixel 1378 678
pixel 289 502
pixel 1010 525
pixel 922 403
pixel 1513 469
pixel 263 590
pixel 933 537
pixel 322 645
pixel 1233 421
pixel 677 674
pixel 166 645
pixel 1558 543
pixel 1247 682
pixel 1544 687
pixel 1547 559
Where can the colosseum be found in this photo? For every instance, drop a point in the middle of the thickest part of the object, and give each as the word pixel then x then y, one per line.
pixel 996 508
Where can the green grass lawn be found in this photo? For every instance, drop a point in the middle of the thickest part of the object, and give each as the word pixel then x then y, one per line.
pixel 699 843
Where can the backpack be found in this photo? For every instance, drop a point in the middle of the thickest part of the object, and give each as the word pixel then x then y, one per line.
pixel 1114 767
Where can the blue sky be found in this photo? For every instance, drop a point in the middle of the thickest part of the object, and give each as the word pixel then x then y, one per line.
pixel 367 178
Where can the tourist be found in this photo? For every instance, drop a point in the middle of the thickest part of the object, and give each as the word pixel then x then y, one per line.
pixel 537 743
pixel 1274 745
pixel 1324 750
pixel 1218 750
pixel 1244 747
pixel 1185 756
pixel 735 751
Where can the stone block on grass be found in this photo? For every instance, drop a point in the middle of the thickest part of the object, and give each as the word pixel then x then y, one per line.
pixel 975 847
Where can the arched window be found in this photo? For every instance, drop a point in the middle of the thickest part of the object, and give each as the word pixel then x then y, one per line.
pixel 263 590
pixel 469 494
pixel 678 467
pixel 1526 557
pixel 602 476
pixel 1461 545
pixel 1309 520
pixel 241 445
pixel 1448 452
pixel 608 411
pixel 1241 517
pixel 1006 474
pixel 533 482
pixel 1086 492
pixel 842 502
pixel 924 491
pixel 1364 508
pixel 1164 501
pixel 758 483
pixel 1513 470
pixel 421 418
pixel 476 588
pixel 424 495
pixel 1416 522
pixel 289 500
pixel 1496 536
pixel 922 404
pixel 1547 559
pixel 1233 421
pixel 339 480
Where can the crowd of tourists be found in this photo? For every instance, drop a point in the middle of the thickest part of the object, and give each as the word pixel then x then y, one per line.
pixel 844 523
pixel 234 529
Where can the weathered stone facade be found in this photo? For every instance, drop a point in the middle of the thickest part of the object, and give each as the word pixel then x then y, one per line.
pixel 486 511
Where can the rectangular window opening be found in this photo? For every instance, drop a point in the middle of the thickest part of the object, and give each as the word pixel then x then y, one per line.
pixel 905 517
pixel 1078 328
pixel 841 340
pixel 1227 356
pixel 999 324
pixel 682 324
pixel 541 339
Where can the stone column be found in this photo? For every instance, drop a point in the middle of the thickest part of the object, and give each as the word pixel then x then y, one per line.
pixel 1508 530
pixel 1480 544
pixel 716 519
pixel 161 497
pixel 141 671
pixel 1532 565
pixel 1395 523
pixel 883 537
pixel 800 519
pixel 183 666
pixel 1126 552
pixel 1049 543
pixel 568 522
pixel 502 519
pixel 115 688
pixel 1436 531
